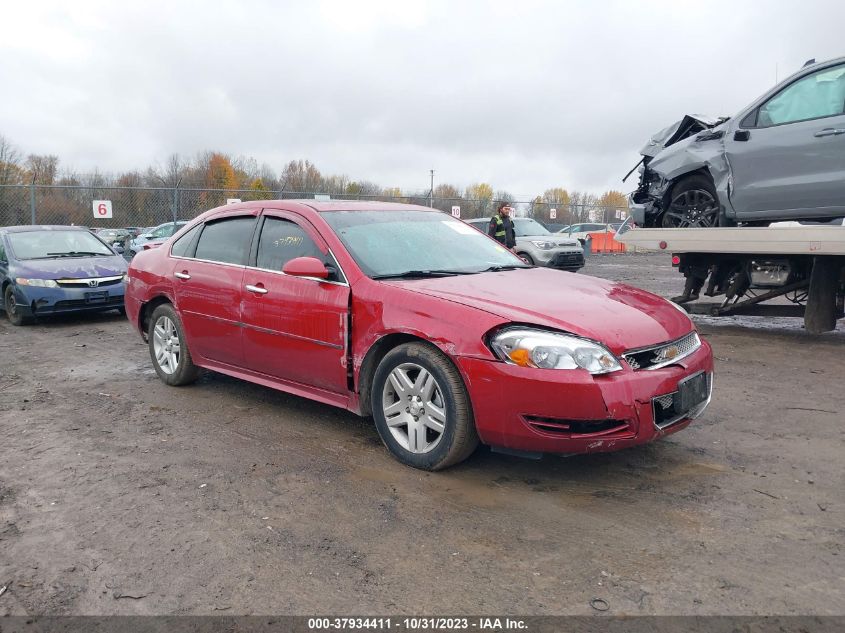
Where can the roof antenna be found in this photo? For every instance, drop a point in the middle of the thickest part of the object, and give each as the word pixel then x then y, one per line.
pixel 809 62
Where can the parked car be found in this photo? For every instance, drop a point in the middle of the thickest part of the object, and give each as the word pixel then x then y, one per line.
pixel 54 269
pixel 162 231
pixel 537 246
pixel 409 315
pixel 780 158
pixel 581 231
pixel 113 237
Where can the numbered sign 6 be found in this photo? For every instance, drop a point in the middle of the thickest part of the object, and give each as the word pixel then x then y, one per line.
pixel 102 208
pixel 456 211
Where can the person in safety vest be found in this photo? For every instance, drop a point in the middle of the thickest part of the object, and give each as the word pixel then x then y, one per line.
pixel 501 227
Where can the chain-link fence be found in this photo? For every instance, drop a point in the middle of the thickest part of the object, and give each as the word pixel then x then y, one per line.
pixel 150 206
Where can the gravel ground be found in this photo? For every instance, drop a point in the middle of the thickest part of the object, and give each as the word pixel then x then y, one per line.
pixel 119 495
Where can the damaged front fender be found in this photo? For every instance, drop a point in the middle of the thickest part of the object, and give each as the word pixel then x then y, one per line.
pixel 693 145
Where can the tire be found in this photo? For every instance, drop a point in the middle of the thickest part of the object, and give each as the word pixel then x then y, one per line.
pixel 174 366
pixel 528 259
pixel 10 304
pixel 693 203
pixel 421 377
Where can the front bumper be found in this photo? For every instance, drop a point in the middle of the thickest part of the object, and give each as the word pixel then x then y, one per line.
pixel 570 259
pixel 569 412
pixel 34 301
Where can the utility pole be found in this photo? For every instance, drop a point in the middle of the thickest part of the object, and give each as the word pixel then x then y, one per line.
pixel 431 191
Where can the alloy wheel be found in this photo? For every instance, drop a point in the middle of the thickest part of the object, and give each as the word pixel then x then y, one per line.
pixel 694 208
pixel 414 408
pixel 166 344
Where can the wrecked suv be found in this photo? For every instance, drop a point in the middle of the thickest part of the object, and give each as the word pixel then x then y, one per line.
pixel 780 158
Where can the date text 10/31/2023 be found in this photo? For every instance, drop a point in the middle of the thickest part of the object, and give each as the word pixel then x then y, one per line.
pixel 417 624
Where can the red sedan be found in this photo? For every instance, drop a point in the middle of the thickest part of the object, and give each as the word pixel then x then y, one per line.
pixel 406 314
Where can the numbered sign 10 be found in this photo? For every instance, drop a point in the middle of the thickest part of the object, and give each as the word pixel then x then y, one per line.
pixel 456 211
pixel 102 208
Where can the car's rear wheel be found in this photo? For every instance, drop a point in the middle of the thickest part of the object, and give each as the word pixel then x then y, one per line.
pixel 13 311
pixel 693 203
pixel 421 408
pixel 168 348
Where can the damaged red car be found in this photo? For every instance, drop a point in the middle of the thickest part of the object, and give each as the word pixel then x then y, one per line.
pixel 410 316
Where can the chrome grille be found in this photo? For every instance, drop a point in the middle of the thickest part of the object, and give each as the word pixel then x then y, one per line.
pixel 90 282
pixel 664 354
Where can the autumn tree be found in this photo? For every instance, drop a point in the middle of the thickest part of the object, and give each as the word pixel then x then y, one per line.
pixel 363 189
pixel 479 200
pixel 301 176
pixel 42 169
pixel 615 205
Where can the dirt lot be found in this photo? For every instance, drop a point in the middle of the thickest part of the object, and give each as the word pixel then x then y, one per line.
pixel 119 495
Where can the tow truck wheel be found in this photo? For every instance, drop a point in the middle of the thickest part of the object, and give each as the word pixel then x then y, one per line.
pixel 693 203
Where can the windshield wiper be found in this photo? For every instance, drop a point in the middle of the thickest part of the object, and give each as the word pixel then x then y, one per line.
pixel 411 274
pixel 76 254
pixel 495 269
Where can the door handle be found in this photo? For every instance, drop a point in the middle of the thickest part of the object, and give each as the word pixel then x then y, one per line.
pixel 181 275
pixel 829 131
pixel 257 289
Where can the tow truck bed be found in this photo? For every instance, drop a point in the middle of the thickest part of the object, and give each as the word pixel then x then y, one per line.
pixel 752 265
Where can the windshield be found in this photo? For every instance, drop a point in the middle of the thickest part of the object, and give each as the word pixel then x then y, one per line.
pixel 49 244
pixel 524 227
pixel 385 243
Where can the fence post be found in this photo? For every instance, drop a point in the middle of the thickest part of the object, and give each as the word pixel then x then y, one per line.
pixel 32 202
pixel 175 202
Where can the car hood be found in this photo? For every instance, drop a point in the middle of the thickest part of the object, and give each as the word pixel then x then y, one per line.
pixel 686 127
pixel 71 267
pixel 619 316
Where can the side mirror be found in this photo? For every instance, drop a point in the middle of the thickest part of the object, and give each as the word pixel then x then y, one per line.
pixel 306 267
pixel 146 236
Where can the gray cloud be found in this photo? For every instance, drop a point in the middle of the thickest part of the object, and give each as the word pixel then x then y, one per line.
pixel 524 95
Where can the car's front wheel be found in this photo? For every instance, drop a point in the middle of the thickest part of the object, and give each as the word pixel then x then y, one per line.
pixel 693 203
pixel 13 311
pixel 421 408
pixel 526 258
pixel 168 348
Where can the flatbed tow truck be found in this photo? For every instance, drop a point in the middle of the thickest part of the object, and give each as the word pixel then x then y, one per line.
pixel 750 266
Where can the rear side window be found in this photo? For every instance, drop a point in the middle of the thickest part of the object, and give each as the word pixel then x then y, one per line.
pixel 184 246
pixel 282 241
pixel 2 251
pixel 226 241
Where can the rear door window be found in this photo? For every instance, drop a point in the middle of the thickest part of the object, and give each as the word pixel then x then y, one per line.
pixel 226 241
pixel 184 246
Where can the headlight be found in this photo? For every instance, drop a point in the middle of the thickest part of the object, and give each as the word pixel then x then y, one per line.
pixel 543 245
pixel 547 350
pixel 37 283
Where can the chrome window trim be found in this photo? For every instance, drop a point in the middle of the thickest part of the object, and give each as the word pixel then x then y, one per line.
pixel 207 261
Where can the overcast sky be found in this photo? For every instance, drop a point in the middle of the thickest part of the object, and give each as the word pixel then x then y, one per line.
pixel 524 95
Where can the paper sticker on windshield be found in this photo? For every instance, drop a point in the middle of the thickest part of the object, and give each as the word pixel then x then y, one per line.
pixel 460 227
